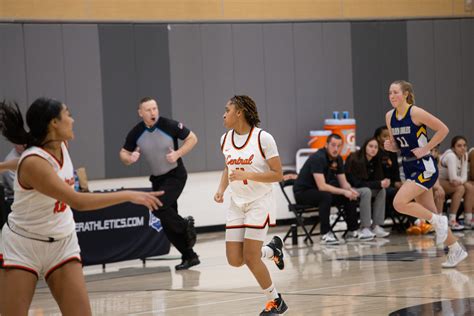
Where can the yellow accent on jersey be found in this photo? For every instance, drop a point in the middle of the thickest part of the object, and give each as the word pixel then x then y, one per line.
pixel 422 130
pixel 404 114
pixel 420 177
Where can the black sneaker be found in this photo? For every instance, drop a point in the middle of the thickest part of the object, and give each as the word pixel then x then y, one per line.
pixel 275 307
pixel 277 246
pixel 188 263
pixel 190 232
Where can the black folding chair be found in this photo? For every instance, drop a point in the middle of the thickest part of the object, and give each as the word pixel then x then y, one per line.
pixel 303 213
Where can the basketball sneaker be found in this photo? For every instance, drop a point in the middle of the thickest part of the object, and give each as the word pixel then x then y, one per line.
pixel 275 307
pixel 455 255
pixel 276 244
pixel 414 230
pixel 426 227
pixel 440 224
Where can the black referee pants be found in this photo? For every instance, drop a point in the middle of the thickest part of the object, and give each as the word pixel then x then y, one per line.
pixel 173 224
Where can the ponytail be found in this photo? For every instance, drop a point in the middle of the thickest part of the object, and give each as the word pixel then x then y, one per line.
pixel 11 123
pixel 38 116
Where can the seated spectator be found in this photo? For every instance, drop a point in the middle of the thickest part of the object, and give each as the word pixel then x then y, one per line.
pixel 364 172
pixel 322 183
pixel 471 164
pixel 390 168
pixel 453 175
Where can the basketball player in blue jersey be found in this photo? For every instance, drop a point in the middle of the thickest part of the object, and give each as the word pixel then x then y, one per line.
pixel 407 125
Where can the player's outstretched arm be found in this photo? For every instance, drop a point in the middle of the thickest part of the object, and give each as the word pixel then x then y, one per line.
pixel 37 173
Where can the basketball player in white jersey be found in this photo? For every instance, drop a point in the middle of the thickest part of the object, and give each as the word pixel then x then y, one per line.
pixel 39 238
pixel 252 163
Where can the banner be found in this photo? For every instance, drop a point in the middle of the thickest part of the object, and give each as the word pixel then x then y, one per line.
pixel 117 233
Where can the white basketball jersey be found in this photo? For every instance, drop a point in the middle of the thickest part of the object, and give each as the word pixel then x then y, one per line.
pixel 249 156
pixel 37 213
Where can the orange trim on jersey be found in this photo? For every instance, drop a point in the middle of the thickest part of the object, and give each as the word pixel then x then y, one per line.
pixel 246 142
pixel 223 142
pixel 260 144
pixel 14 266
pixel 59 265
pixel 267 222
pixel 60 163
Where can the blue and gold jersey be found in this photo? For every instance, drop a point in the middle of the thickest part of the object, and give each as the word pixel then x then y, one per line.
pixel 422 171
pixel 407 134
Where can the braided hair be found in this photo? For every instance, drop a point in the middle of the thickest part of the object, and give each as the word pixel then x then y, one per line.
pixel 248 106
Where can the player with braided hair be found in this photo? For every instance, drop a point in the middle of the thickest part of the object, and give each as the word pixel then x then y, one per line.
pixel 252 164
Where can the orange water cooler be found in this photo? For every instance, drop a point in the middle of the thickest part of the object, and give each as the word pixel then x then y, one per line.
pixel 318 139
pixel 345 128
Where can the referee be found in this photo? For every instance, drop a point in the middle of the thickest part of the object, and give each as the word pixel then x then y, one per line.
pixel 156 139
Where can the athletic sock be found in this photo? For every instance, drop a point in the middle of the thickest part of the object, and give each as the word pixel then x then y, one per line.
pixel 271 293
pixel 452 217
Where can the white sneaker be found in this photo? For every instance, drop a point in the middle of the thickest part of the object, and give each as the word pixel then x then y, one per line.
pixel 379 232
pixel 352 236
pixel 455 255
pixel 440 224
pixel 469 225
pixel 455 226
pixel 366 234
pixel 329 239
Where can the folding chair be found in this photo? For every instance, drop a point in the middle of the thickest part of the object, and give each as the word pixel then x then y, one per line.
pixel 340 216
pixel 300 211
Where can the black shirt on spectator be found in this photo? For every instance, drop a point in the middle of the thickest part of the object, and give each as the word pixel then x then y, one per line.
pixel 319 162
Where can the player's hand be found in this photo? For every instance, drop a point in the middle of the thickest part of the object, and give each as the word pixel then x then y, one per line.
pixel 148 199
pixel 172 156
pixel 135 155
pixel 390 145
pixel 420 152
pixel 219 197
pixel 237 175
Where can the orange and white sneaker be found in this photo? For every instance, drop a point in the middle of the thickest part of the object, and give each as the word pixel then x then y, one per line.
pixel 414 230
pixel 426 228
pixel 275 307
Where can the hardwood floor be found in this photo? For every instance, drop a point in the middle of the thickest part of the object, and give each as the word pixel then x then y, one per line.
pixel 371 278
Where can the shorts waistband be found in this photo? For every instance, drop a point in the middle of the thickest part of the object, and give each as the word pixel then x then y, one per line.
pixel 28 235
pixel 408 159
